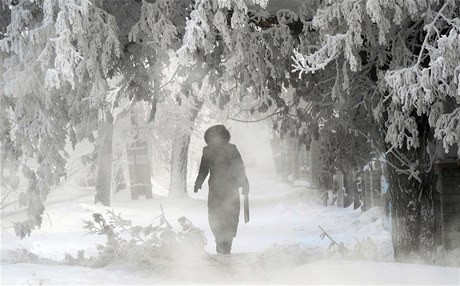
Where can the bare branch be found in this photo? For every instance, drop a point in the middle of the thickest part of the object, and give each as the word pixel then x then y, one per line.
pixel 256 120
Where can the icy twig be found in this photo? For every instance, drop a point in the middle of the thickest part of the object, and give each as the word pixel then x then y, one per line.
pixel 49 218
pixel 344 251
pixel 429 30
pixel 324 234
pixel 164 217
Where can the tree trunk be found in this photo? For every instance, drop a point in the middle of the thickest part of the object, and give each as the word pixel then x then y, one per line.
pixel 315 162
pixel 179 157
pixel 179 160
pixel 295 159
pixel 340 195
pixel 350 189
pixel 356 200
pixel 413 213
pixel 275 144
pixel 104 168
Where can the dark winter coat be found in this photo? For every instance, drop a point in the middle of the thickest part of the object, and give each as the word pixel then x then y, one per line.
pixel 227 174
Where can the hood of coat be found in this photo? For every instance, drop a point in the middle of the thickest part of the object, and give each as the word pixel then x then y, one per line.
pixel 217 135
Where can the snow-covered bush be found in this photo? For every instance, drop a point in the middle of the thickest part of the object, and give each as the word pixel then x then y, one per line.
pixel 149 245
pixel 23 255
pixel 364 249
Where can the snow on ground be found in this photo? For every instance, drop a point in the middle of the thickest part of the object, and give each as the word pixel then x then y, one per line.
pixel 281 243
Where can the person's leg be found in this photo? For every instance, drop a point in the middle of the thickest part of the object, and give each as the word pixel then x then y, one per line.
pixel 229 224
pixel 216 227
pixel 223 219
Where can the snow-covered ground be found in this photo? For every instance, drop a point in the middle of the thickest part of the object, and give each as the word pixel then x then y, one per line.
pixel 281 244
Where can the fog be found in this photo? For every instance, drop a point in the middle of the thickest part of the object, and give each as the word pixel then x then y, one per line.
pixel 281 244
pixel 251 139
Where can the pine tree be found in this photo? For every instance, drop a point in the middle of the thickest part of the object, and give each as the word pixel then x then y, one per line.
pixel 402 47
pixel 57 56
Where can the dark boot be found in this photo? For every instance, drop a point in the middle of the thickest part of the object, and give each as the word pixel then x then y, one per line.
pixel 220 246
pixel 227 245
pixel 224 245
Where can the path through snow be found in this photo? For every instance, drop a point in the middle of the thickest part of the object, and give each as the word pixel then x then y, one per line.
pixel 281 244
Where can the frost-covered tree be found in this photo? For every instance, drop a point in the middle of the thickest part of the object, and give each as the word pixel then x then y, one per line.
pixel 369 76
pixel 239 50
pixel 254 49
pixel 409 49
pixel 218 49
pixel 149 32
pixel 66 52
pixel 56 58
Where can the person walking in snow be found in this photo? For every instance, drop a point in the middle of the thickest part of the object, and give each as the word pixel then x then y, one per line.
pixel 227 174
